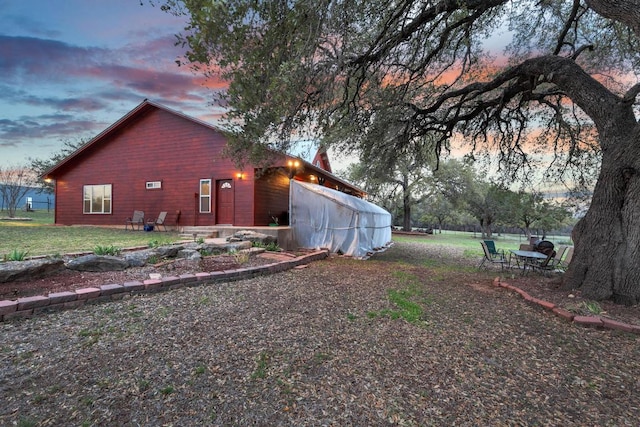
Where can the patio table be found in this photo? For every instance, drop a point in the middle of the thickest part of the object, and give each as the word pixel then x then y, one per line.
pixel 528 258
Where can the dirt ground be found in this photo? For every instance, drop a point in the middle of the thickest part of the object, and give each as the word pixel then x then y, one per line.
pixel 324 345
pixel 537 285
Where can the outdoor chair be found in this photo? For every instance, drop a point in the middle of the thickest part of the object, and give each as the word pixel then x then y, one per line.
pixel 564 263
pixel 553 261
pixel 137 219
pixel 557 258
pixel 159 222
pixel 492 258
pixel 491 246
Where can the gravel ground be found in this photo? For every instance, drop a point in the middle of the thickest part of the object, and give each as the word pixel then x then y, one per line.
pixel 323 345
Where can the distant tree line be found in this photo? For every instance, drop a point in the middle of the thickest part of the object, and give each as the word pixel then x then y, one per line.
pixel 458 197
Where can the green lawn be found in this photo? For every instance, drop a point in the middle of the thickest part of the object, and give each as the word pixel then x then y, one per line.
pixel 470 242
pixel 38 217
pixel 41 237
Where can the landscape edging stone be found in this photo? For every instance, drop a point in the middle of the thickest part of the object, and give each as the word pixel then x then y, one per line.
pixel 585 321
pixel 27 307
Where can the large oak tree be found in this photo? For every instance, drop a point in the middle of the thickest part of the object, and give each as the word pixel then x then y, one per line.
pixel 566 85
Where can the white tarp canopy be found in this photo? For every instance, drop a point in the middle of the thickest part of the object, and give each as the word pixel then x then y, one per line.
pixel 325 218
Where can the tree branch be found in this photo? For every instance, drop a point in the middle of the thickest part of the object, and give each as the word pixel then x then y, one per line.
pixel 631 94
pixel 383 45
pixel 473 100
pixel 577 53
pixel 624 11
pixel 567 26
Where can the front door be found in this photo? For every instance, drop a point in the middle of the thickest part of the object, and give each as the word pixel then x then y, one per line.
pixel 224 201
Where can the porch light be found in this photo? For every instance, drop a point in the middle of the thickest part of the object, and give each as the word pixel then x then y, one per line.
pixel 293 168
pixel 240 175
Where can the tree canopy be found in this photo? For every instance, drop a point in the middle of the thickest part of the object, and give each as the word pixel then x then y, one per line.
pixel 388 175
pixel 529 211
pixel 564 85
pixel 41 165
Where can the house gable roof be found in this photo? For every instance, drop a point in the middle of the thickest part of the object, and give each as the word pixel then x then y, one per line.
pixel 142 108
pixel 145 106
pixel 321 159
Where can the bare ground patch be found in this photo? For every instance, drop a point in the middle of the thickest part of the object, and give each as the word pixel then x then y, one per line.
pixel 320 346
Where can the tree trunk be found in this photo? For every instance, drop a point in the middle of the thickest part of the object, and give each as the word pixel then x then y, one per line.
pixel 487 223
pixel 527 230
pixel 487 231
pixel 406 205
pixel 406 222
pixel 606 262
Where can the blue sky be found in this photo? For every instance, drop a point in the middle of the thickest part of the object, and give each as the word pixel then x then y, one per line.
pixel 69 69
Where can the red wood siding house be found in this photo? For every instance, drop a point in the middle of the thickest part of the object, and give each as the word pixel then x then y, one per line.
pixel 155 159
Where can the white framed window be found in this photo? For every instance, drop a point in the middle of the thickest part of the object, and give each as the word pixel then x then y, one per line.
pixel 205 196
pixel 96 199
pixel 154 185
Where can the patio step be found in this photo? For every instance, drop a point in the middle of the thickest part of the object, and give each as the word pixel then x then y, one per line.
pixel 195 232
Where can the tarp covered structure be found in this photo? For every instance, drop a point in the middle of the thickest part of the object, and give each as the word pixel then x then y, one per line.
pixel 322 217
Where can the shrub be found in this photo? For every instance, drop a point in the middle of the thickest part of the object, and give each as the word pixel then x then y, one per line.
pixel 16 255
pixel 206 252
pixel 592 307
pixel 107 250
pixel 273 247
pixel 241 257
pixel 157 243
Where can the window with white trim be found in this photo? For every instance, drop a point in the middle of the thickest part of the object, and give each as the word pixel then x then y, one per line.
pixel 97 199
pixel 205 196
pixel 154 185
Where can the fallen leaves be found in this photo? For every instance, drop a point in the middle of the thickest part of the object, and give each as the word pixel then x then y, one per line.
pixel 298 348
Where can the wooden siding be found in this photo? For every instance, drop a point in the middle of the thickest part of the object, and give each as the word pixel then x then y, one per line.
pixel 271 197
pixel 244 203
pixel 155 145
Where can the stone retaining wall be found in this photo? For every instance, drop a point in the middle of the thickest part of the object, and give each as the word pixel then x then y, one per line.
pixel 35 305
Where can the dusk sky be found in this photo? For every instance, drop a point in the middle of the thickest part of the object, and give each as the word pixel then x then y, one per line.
pixel 69 69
